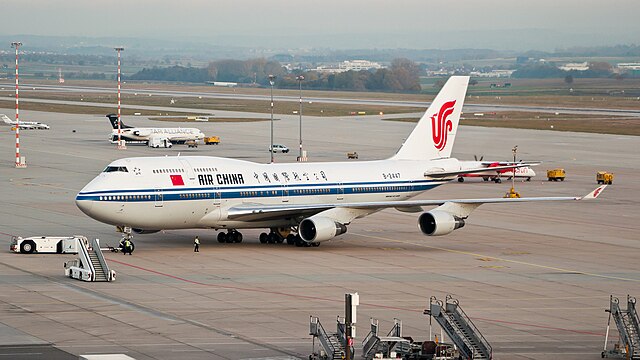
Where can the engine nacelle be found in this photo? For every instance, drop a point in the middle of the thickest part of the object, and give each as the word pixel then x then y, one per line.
pixel 435 223
pixel 144 231
pixel 319 229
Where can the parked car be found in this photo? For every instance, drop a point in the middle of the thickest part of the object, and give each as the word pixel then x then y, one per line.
pixel 279 148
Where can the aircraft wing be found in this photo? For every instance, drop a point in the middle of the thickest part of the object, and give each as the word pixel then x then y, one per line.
pixel 259 212
pixel 444 174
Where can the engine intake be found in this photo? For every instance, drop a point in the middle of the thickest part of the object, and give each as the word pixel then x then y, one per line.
pixel 319 229
pixel 436 223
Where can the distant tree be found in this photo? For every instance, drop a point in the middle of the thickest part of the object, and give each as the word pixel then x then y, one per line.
pixel 473 82
pixel 568 79
pixel 439 84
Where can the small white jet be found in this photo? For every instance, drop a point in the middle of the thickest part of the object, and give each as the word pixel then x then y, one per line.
pixel 25 125
pixel 151 136
pixel 304 203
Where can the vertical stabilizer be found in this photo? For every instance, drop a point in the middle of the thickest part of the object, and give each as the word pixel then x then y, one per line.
pixel 435 133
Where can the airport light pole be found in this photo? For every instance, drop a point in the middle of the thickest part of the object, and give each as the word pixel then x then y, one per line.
pixel 513 178
pixel 19 163
pixel 120 145
pixel 272 82
pixel 300 78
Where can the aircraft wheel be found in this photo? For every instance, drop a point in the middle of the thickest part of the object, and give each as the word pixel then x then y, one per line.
pixel 238 237
pixel 528 179
pixel 222 237
pixel 485 178
pixel 315 244
pixel 272 238
pixel 460 179
pixel 230 238
pixel 264 238
pixel 291 239
pixel 27 247
pixel 300 242
pixel 498 181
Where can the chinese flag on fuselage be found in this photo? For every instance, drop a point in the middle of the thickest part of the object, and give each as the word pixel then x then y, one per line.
pixel 176 180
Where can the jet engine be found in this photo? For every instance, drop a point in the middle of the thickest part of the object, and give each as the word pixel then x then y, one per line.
pixel 319 229
pixel 436 222
pixel 144 231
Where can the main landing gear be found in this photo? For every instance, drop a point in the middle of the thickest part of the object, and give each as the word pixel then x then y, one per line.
pixel 232 236
pixel 280 235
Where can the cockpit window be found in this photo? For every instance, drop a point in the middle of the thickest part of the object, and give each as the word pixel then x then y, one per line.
pixel 115 168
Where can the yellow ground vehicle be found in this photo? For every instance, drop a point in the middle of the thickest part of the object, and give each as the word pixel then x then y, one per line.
pixel 603 177
pixel 212 140
pixel 512 193
pixel 556 174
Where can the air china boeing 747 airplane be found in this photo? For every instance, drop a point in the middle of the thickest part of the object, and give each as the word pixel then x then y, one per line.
pixel 304 203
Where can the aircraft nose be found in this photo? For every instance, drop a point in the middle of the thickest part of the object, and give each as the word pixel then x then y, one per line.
pixel 84 205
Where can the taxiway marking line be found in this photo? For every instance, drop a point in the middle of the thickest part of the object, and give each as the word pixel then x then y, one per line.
pixel 500 259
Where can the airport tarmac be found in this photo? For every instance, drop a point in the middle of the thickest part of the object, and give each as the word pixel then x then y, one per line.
pixel 535 278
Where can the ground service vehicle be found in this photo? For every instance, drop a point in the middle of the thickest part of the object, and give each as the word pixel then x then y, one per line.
pixel 159 142
pixel 352 155
pixel 556 174
pixel 212 140
pixel 191 143
pixel 603 177
pixel 279 148
pixel 47 244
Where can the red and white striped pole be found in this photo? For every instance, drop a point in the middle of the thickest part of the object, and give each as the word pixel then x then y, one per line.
pixel 121 146
pixel 19 164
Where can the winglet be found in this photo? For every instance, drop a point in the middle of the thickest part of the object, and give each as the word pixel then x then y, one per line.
pixel 594 194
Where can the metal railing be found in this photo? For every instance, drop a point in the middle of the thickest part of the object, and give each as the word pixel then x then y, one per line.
pixel 458 310
pixel 316 329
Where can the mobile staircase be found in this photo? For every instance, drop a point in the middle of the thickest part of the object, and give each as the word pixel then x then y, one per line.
pixel 628 326
pixel 90 264
pixel 332 345
pixel 373 344
pixel 458 326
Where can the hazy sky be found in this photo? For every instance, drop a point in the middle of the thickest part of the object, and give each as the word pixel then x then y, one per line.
pixel 499 24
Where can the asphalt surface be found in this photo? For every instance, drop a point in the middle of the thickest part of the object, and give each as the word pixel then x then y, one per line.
pixel 535 278
pixel 326 100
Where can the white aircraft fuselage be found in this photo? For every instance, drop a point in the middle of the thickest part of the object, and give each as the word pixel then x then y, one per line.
pixel 175 135
pixel 196 192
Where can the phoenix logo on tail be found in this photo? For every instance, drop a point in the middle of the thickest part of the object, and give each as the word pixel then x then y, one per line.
pixel 442 126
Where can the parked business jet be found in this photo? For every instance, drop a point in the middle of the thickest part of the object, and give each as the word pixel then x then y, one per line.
pixel 133 134
pixel 304 203
pixel 25 125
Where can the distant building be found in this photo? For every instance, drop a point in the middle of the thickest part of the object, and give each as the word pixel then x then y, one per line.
pixel 349 65
pixel 584 66
pixel 493 73
pixel 629 66
pixel 222 83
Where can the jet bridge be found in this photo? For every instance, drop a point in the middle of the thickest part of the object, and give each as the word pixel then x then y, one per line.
pixel 90 264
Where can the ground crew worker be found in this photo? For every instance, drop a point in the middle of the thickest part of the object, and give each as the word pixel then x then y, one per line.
pixel 196 245
pixel 127 247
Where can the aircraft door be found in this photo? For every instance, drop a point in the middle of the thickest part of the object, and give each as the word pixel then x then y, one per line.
pixel 216 196
pixel 158 198
pixel 340 192
pixel 285 193
pixel 187 167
